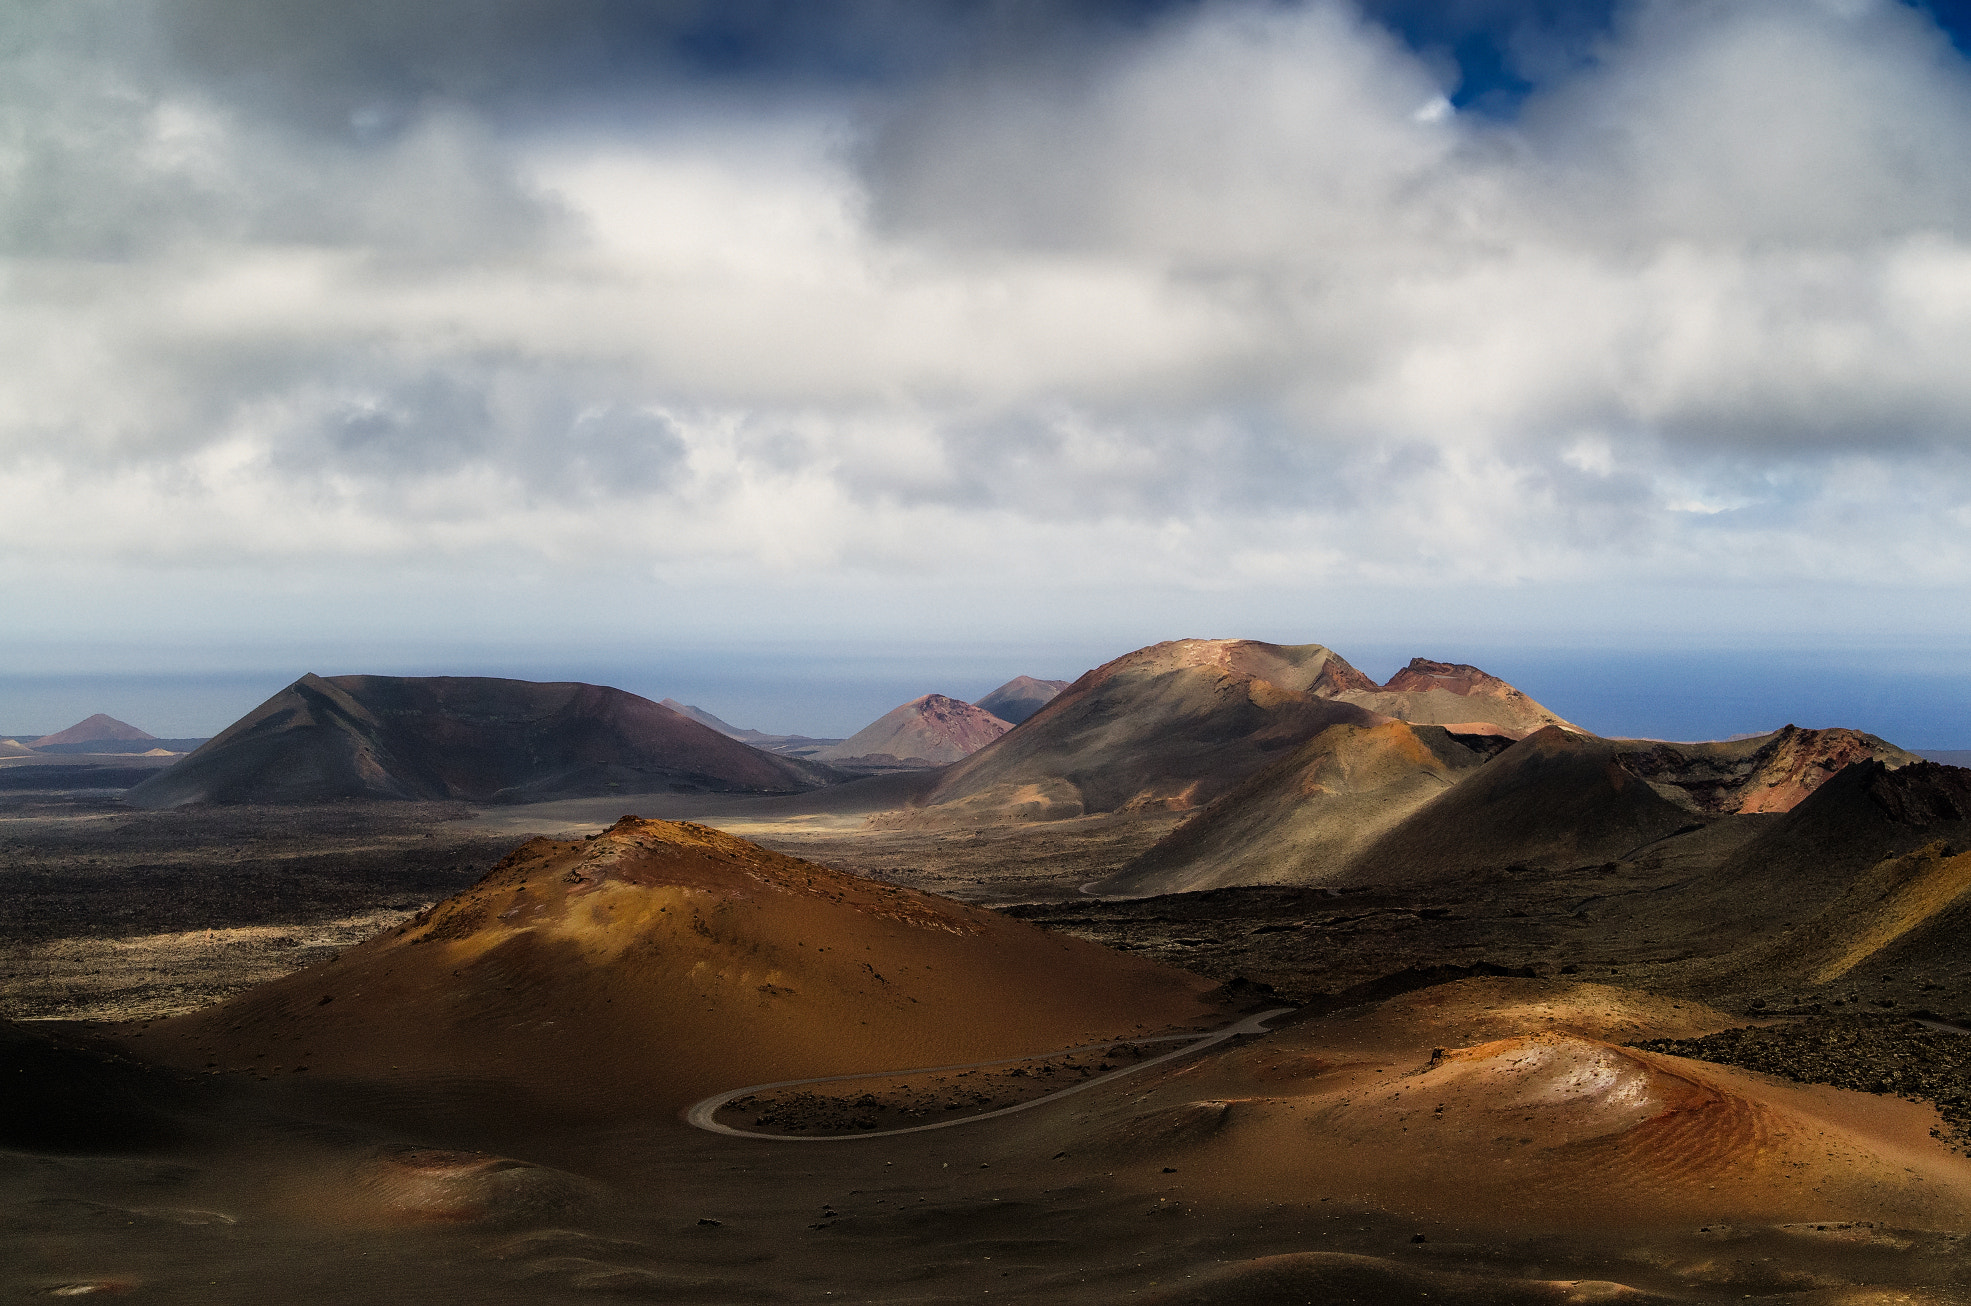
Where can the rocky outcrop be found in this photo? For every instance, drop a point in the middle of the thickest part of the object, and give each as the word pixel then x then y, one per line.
pixel 1766 773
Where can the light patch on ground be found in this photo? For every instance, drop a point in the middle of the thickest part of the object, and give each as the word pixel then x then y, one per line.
pixel 151 976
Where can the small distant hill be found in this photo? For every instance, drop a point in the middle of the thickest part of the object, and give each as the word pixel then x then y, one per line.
pixel 704 718
pixel 928 731
pixel 95 728
pixel 1020 697
pixel 476 739
pixel 130 747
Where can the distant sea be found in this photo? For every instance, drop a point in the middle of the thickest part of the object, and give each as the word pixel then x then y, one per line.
pixel 1918 700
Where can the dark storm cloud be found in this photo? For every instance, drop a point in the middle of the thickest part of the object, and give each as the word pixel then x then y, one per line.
pixel 366 62
pixel 369 62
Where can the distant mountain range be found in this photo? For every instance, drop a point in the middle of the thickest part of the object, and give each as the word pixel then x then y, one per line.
pixel 1294 766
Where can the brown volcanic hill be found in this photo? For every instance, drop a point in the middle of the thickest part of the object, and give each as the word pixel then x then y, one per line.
pixel 1554 799
pixel 471 738
pixel 1764 773
pixel 1020 697
pixel 931 730
pixel 630 973
pixel 1454 694
pixel 96 728
pixel 1306 817
pixel 1171 726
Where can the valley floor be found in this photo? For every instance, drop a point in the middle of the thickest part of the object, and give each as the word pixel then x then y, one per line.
pixel 1168 1190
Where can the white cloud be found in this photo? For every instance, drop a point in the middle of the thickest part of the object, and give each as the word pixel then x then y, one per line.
pixel 1216 306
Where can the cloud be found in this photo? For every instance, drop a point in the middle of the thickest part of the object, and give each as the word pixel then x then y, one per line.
pixel 1214 297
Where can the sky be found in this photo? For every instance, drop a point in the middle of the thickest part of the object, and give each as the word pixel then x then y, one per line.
pixel 793 346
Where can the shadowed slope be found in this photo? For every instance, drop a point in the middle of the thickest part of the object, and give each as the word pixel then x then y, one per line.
pixel 60 1096
pixel 1305 818
pixel 1557 799
pixel 1170 726
pixel 931 730
pixel 472 738
pixel 1804 860
pixel 1020 697
pixel 1913 910
pixel 630 973
pixel 1553 799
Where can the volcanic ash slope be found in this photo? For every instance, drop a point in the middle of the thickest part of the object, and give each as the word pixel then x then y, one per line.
pixel 635 971
pixel 1305 818
pixel 1171 726
pixel 1911 912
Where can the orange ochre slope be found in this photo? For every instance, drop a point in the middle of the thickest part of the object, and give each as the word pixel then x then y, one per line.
pixel 1514 1104
pixel 635 971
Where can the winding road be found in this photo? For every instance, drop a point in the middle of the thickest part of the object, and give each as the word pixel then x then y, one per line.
pixel 701 1113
